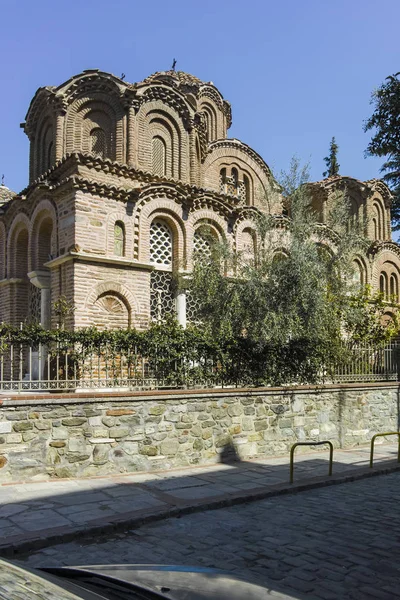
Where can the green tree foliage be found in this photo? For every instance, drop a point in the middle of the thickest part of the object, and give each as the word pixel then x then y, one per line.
pixel 332 165
pixel 385 142
pixel 287 310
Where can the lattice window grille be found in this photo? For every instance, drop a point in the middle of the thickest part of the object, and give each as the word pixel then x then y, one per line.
pixel 242 192
pixel 34 304
pixel 192 308
pixel 98 142
pixel 222 179
pixel 201 246
pixel 160 243
pixel 162 300
pixel 159 156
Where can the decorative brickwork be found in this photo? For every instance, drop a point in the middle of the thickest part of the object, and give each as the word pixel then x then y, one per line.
pixel 125 179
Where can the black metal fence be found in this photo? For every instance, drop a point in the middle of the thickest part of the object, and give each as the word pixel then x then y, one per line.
pixel 52 368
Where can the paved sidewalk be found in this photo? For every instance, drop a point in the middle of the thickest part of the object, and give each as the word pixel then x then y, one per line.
pixel 38 514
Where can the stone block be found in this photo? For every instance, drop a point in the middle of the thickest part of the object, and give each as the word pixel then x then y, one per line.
pixel 169 447
pixel 73 458
pixel 74 421
pixel 58 444
pixel 118 412
pixel 14 438
pixel 108 421
pixel 95 421
pixel 3 462
pixel 22 426
pixel 118 432
pixel 5 427
pixel 100 454
pixel 157 410
pixel 28 436
pixel 42 425
pixel 131 448
pixel 260 425
pixel 148 450
pixel 235 410
pixel 77 445
pixel 60 433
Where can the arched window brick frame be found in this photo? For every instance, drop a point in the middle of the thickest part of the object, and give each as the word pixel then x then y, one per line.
pixel 20 223
pixel 119 239
pixel 86 113
pixel 157 118
pixel 44 210
pixel 159 155
pixel 113 218
pixel 171 213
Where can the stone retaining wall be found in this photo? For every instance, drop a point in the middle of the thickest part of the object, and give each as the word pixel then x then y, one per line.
pixel 84 435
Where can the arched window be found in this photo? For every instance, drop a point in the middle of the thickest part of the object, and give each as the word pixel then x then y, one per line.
pixel 383 285
pixel 375 228
pixel 358 274
pixel 159 156
pixel 119 238
pixel 98 142
pixel 160 243
pixel 202 243
pixel 394 288
pixel 44 242
pixel 21 254
pixel 246 190
pixel 222 181
pixel 248 246
pixel 162 297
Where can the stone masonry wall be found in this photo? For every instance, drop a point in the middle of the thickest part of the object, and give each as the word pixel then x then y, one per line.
pixel 87 435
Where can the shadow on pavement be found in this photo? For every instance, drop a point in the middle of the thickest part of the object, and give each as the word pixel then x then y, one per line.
pixel 50 512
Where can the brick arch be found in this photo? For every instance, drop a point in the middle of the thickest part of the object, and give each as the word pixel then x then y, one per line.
pixel 18 258
pixel 171 213
pixel 127 221
pixel 116 288
pixel 385 261
pixel 246 224
pixel 220 157
pixel 150 112
pixel 44 211
pixel 77 124
pixel 364 270
pixel 210 218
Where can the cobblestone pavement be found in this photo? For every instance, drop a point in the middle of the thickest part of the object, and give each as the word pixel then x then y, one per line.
pixel 53 510
pixel 339 542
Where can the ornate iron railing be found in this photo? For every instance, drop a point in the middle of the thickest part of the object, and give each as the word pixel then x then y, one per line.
pixel 53 368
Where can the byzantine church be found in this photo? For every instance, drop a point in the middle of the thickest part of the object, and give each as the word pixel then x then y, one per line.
pixel 127 182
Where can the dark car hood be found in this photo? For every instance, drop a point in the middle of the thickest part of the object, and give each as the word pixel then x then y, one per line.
pixel 179 582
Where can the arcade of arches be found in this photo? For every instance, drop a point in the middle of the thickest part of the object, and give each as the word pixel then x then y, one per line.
pixel 126 185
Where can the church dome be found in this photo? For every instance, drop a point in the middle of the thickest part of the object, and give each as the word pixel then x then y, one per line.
pixel 173 77
pixel 5 194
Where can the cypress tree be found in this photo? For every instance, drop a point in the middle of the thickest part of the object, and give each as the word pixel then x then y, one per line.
pixel 332 165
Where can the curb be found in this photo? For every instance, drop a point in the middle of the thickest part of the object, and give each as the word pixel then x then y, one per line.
pixel 24 543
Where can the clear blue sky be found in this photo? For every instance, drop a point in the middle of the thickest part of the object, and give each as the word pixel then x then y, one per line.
pixel 296 72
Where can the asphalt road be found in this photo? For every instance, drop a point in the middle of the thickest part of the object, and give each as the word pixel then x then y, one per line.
pixel 334 543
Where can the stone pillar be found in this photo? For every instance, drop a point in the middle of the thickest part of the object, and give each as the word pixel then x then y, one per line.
pixel 41 279
pixel 59 137
pixel 181 308
pixel 131 137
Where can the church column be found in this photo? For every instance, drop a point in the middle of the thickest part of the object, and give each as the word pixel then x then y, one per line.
pixel 41 279
pixel 131 137
pixel 181 307
pixel 59 141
